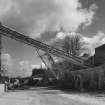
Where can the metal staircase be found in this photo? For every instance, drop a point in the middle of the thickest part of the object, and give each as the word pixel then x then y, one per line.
pixel 8 32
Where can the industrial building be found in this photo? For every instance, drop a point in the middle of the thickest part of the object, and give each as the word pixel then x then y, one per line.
pixel 99 57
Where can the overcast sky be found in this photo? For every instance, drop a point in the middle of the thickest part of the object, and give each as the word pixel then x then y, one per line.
pixel 41 19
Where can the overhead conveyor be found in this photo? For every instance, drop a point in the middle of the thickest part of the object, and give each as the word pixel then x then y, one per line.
pixel 11 33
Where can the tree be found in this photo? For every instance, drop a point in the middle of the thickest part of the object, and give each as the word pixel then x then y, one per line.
pixel 72 44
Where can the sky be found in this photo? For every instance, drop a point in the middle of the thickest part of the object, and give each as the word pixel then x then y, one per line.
pixel 44 19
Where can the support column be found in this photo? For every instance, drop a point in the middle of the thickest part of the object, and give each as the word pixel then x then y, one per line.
pixel 0 57
pixel 81 82
pixel 100 80
pixel 0 53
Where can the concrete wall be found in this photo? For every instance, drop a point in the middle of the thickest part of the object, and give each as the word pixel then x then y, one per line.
pixel 2 88
pixel 92 78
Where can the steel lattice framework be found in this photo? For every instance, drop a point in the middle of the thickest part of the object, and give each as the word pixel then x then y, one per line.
pixel 11 33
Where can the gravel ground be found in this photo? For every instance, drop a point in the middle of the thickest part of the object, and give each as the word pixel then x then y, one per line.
pixel 42 96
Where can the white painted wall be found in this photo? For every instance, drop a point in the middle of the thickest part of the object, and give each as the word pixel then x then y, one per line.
pixel 2 88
